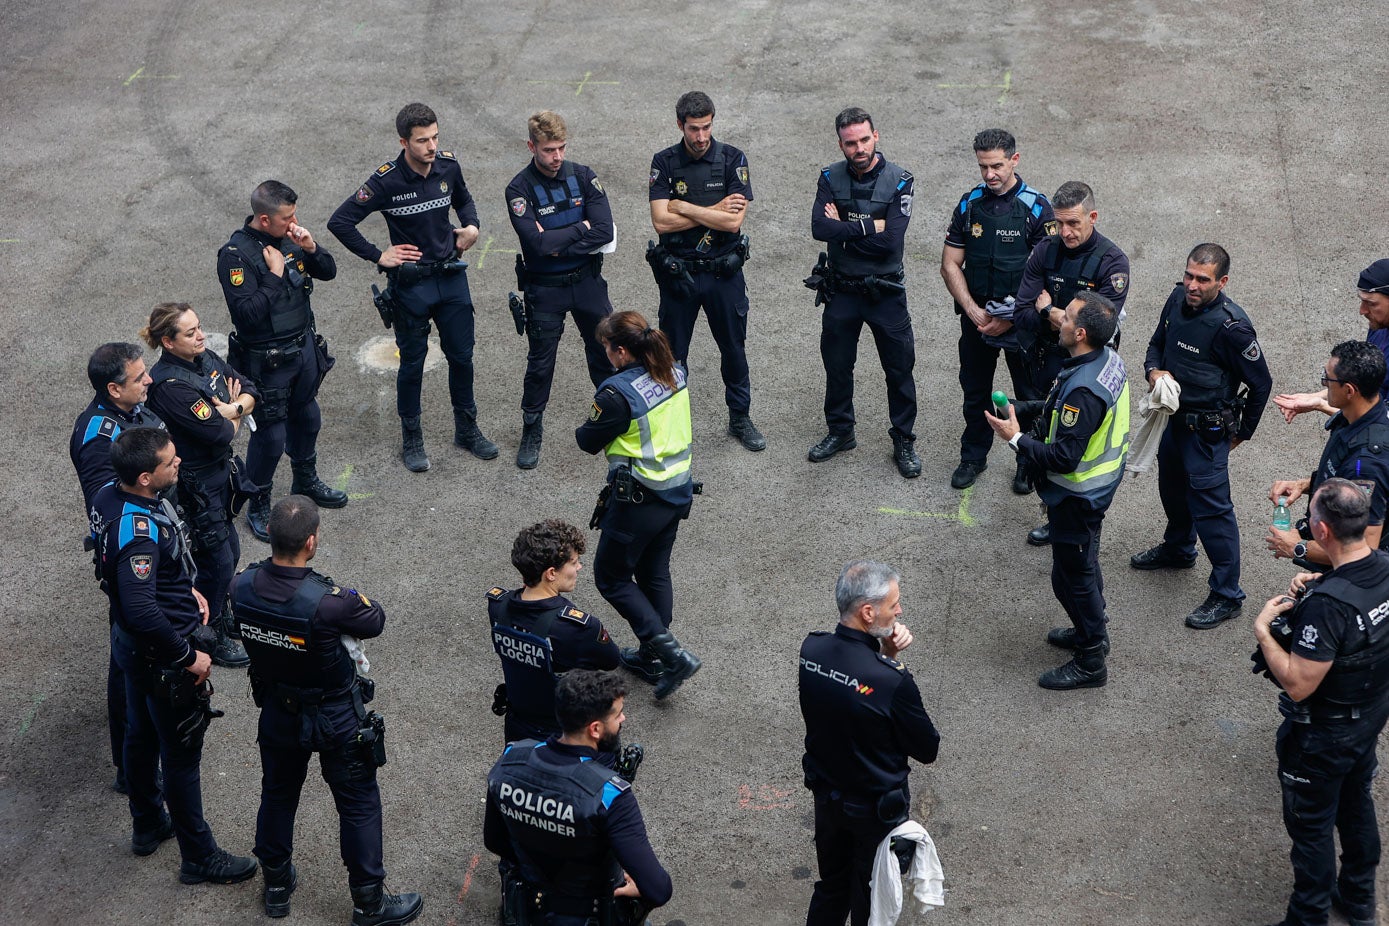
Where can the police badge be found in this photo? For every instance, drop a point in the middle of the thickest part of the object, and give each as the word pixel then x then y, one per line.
pixel 976 230
pixel 1069 416
pixel 681 187
pixel 238 276
pixel 518 207
pixel 743 174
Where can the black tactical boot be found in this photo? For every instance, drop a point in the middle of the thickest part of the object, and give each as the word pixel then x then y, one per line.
pixel 532 430
pixel 258 514
pixel 280 882
pixel 1065 637
pixel 467 435
pixel 1086 670
pixel 904 455
pixel 740 426
pixel 228 652
pixel 412 445
pixel 306 482
pixel 644 662
pixel 221 867
pixel 372 906
pixel 679 664
pixel 1022 482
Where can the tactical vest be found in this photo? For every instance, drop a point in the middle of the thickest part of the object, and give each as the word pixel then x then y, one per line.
pixel 1068 275
pixel 108 426
pixel 552 814
pixel 289 315
pixel 162 517
pixel 867 200
pixel 1373 436
pixel 528 666
pixel 1361 677
pixel 558 203
pixel 701 183
pixel 657 442
pixel 279 638
pixel 996 248
pixel 208 385
pixel 1187 353
pixel 1101 467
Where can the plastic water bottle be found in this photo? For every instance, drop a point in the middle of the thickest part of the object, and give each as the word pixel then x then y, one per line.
pixel 1282 519
pixel 1000 401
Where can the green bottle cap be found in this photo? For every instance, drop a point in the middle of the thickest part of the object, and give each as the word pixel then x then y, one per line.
pixel 1000 399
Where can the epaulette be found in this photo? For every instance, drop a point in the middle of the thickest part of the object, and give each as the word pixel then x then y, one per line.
pixel 888 660
pixel 101 427
pixel 1231 322
pixel 572 613
pixel 446 155
pixel 496 593
pixel 140 525
pixel 905 179
pixel 385 169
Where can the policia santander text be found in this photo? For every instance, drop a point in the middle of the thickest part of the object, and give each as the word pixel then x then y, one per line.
pixel 292 621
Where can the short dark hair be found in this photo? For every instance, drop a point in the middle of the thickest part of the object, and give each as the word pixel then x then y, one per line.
pixel 270 197
pixel 1097 316
pixel 852 116
pixel 585 695
pixel 135 451
pixel 996 140
pixel 412 116
pixel 293 520
pixel 1211 254
pixel 546 545
pixel 693 105
pixel 1360 364
pixel 108 364
pixel 1342 506
pixel 1073 193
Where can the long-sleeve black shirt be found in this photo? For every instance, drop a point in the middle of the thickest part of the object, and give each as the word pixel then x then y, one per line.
pixel 416 208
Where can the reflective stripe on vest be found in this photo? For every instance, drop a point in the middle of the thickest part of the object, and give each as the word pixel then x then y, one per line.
pixel 657 442
pixel 1102 465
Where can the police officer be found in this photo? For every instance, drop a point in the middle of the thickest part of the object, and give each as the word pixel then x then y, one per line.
pixel 1079 465
pixel 991 233
pixel 156 612
pixel 641 421
pixel 117 373
pixel 1208 345
pixel 293 621
pixel 1373 287
pixel 414 193
pixel 203 401
pixel 1357 448
pixel 267 271
pixel 862 207
pixel 700 190
pixel 1332 661
pixel 562 217
pixel 538 633
pixel 863 720
pixel 1076 258
pixel 570 827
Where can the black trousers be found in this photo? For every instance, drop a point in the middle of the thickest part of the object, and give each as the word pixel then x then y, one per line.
pixel 847 833
pixel 115 712
pixel 445 300
pixel 978 363
pixel 725 303
pixel 587 300
pixel 632 566
pixel 217 564
pixel 843 321
pixel 296 432
pixel 1075 566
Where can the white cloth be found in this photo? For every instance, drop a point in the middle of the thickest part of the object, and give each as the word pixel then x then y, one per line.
pixel 924 875
pixel 357 652
pixel 1153 411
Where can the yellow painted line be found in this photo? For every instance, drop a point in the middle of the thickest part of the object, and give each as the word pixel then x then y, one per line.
pixel 1005 86
pixel 480 259
pixel 141 75
pixel 33 712
pixel 580 84
pixel 961 514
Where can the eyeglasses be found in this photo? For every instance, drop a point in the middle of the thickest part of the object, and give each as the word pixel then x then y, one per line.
pixel 1328 379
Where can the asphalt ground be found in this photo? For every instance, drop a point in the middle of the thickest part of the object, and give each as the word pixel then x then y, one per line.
pixel 133 136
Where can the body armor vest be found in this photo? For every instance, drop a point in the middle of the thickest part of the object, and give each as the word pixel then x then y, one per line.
pixel 528 666
pixel 996 248
pixel 1362 677
pixel 279 638
pixel 290 315
pixel 1187 353
pixel 702 183
pixel 866 200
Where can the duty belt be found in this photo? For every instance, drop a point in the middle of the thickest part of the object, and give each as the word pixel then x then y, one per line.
pixel 591 269
pixel 292 344
pixel 125 638
pixel 1303 713
pixel 413 272
pixel 845 283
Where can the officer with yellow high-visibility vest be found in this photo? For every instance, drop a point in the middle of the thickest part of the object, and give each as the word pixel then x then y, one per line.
pixel 641 421
pixel 1076 469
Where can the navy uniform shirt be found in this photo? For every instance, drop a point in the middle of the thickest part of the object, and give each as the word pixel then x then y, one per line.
pixel 100 423
pixel 1235 349
pixel 200 434
pixel 151 593
pixel 578 640
pixel 540 248
pixel 736 179
pixel 621 827
pixel 1324 628
pixel 1063 454
pixel 416 208
pixel 341 611
pixel 608 419
pixel 858 236
pixel 1368 465
pixel 1041 221
pixel 1112 273
pixel 250 294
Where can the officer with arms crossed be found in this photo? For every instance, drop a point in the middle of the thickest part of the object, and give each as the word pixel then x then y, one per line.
pixel 1207 344
pixel 562 217
pixel 267 271
pixel 571 827
pixel 1357 449
pixel 414 193
pixel 155 615
pixel 203 401
pixel 862 207
pixel 292 621
pixel 699 194
pixel 992 231
pixel 1331 658
pixel 863 720
pixel 117 373
pixel 1079 465
pixel 538 633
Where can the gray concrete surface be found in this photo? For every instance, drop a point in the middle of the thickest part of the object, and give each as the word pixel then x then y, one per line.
pixel 133 135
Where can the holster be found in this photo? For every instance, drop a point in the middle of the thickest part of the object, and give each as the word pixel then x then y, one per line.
pixel 669 269
pixel 600 508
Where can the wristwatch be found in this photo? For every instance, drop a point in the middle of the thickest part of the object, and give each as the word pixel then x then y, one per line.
pixel 1014 440
pixel 1299 550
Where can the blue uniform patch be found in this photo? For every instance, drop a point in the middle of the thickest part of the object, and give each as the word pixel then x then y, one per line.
pixel 136 522
pixel 101 427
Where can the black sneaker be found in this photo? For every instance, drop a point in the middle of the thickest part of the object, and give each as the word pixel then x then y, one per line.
pixel 832 444
pixel 646 665
pixel 966 473
pixel 1161 557
pixel 221 867
pixel 746 433
pixel 1215 610
pixel 143 844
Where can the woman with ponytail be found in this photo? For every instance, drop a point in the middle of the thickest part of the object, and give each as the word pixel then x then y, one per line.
pixel 641 421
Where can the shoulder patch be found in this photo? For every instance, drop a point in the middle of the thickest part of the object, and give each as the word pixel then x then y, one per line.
pixel 1120 282
pixel 595 413
pixel 1051 228
pixel 141 566
pixel 140 526
pixel 338 592
pixel 742 174
pixel 201 410
pixel 518 207
pixel 447 155
pixel 385 169
pixel 572 613
pixel 1069 416
pixel 1251 353
pixel 363 193
pixel 496 593
pixel 237 275
pixel 596 185
pixel 655 175
pixel 1231 322
pixel 363 598
pixel 907 204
